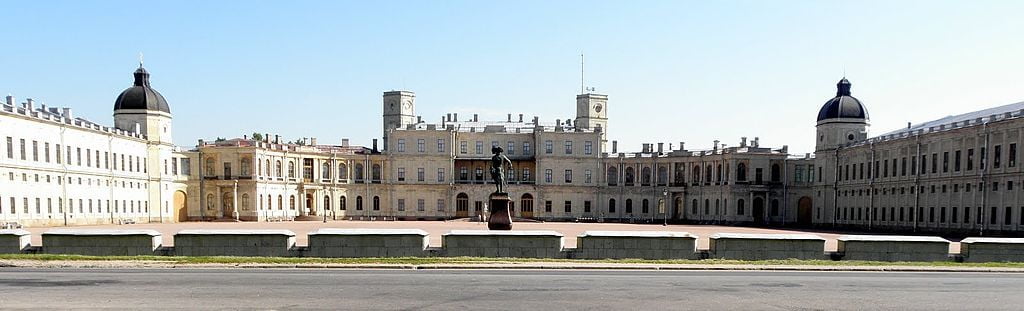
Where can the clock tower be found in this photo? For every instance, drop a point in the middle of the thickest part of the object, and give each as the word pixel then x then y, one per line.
pixel 592 114
pixel 399 111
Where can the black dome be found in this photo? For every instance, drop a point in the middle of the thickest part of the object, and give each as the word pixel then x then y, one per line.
pixel 141 96
pixel 843 106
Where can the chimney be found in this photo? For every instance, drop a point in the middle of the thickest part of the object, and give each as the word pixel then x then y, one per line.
pixel 419 119
pixel 305 141
pixel 200 143
pixel 716 145
pixel 67 114
pixel 28 104
pixel 743 142
pixel 661 148
pixel 10 100
pixel 785 149
pixel 682 145
pixel 277 139
pixel 455 117
pixel 520 118
pixel 374 145
pixel 476 118
pixel 807 155
pixel 908 125
pixel 615 146
pixel 245 137
pixel 536 120
pixel 312 141
pixel 344 142
pixel 558 124
pixel 266 137
pixel 757 142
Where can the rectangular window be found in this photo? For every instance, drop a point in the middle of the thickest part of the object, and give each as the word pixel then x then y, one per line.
pixel 956 161
pixel 997 154
pixel 479 147
pixel 587 176
pixel 421 205
pixel 401 204
pixel 547 206
pixel 913 165
pixel 568 176
pixel 59 158
pixel 106 160
pixel 401 174
pixel 547 175
pixel 588 147
pixel 935 163
pixel 586 206
pixel 23 149
pixel 568 147
pixel 984 159
pixel 885 169
pixel 903 166
pixel 10 147
pixel 945 161
pixel 46 152
pixel 462 147
pixel 421 145
pixel 88 157
pixel 970 159
pixel 511 148
pixel 440 205
pixel 1011 157
pixel 421 174
pixel 35 151
pixel 440 175
pixel 568 206
pixel 78 156
pixel 401 145
pixel 548 147
pixel 440 145
pixel 526 148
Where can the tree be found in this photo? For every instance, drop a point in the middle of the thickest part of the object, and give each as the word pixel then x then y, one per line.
pixel 257 136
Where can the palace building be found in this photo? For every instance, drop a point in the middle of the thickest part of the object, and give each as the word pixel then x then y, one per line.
pixel 955 174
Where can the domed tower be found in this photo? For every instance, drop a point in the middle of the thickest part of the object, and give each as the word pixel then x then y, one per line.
pixel 142 108
pixel 841 120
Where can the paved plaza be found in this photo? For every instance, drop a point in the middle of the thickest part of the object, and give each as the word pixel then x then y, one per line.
pixel 438 228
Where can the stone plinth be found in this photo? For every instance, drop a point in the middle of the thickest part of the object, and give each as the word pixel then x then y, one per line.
pixel 14 241
pixel 893 248
pixel 367 243
pixel 500 218
pixel 519 244
pixel 766 246
pixel 250 243
pixel 100 242
pixel 636 244
pixel 992 249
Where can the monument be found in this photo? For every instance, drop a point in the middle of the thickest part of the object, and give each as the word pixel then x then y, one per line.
pixel 500 218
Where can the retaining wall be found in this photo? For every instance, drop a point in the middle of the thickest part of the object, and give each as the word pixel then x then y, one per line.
pixel 99 242
pixel 263 243
pixel 367 243
pixel 744 246
pixel 992 249
pixel 636 244
pixel 893 248
pixel 14 241
pixel 522 244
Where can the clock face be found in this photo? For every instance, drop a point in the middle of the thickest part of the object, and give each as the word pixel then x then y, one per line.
pixel 597 108
pixel 406 105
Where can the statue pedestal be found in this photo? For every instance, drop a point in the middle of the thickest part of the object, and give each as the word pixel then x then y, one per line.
pixel 500 218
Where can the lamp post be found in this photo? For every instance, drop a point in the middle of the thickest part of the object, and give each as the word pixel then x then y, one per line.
pixel 664 207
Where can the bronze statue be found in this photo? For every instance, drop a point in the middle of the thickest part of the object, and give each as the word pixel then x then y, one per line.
pixel 498 162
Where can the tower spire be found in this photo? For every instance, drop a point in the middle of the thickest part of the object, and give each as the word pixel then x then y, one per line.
pixel 140 59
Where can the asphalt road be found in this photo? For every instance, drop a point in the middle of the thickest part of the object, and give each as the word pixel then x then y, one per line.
pixel 280 289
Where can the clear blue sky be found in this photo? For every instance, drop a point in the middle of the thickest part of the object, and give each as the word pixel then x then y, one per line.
pixel 691 71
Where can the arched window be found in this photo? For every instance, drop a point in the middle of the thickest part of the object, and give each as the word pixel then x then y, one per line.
pixel 267 165
pixel 260 207
pixel 662 175
pixel 526 203
pixel 359 203
pixel 741 207
pixel 777 173
pixel 645 176
pixel 210 202
pixel 611 206
pixel 291 202
pixel 644 207
pixel 245 202
pixel 376 172
pixel 741 172
pixel 707 207
pixel 342 171
pixel 774 209
pixel 613 176
pixel 259 172
pixel 327 203
pixel 359 172
pixel 707 173
pixel 718 174
pixel 246 167
pixel 717 207
pixel 693 207
pixel 277 170
pixel 629 206
pixel 680 174
pixel 210 169
pixel 325 171
pixel 291 169
pixel 342 203
pixel 696 174
pixel 630 176
pixel 376 203
pixel 280 202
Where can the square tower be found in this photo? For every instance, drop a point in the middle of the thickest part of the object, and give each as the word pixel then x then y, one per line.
pixel 592 114
pixel 399 111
